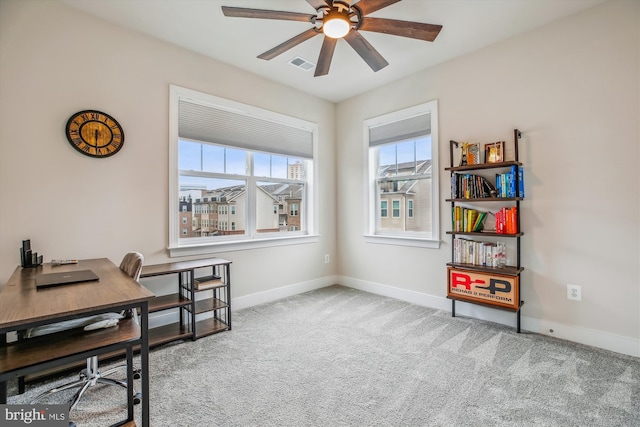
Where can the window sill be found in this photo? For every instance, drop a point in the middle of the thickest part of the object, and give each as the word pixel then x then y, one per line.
pixel 241 245
pixel 402 241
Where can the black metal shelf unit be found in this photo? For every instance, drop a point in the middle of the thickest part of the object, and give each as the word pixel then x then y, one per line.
pixel 508 271
pixel 203 299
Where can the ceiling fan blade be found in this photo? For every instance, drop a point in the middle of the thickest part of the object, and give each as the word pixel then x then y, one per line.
pixel 242 12
pixel 272 53
pixel 366 51
pixel 370 6
pixel 414 30
pixel 326 54
pixel 318 3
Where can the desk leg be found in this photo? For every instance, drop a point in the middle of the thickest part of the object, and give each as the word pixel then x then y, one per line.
pixel 3 385
pixel 144 361
pixel 130 383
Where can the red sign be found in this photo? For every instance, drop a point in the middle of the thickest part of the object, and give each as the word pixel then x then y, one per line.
pixel 487 288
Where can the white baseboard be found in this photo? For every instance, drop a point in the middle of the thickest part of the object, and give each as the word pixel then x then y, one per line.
pixel 278 293
pixel 166 317
pixel 161 318
pixel 594 338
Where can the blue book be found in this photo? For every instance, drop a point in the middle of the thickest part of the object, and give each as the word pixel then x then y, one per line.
pixel 511 190
pixel 521 182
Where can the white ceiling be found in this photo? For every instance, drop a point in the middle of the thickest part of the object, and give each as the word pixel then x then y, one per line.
pixel 200 26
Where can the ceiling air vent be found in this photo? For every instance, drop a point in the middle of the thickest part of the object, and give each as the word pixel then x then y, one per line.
pixel 302 63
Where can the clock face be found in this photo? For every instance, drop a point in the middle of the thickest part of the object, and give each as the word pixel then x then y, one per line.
pixel 94 133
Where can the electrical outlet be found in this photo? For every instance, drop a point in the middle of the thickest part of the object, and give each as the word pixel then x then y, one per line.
pixel 326 258
pixel 574 292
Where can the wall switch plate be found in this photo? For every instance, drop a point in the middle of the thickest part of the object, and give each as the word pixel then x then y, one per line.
pixel 326 258
pixel 574 292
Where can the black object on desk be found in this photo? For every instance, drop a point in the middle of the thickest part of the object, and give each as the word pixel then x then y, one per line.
pixel 65 278
pixel 28 258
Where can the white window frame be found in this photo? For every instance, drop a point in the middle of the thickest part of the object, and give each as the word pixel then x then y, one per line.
pixel 370 176
pixel 238 242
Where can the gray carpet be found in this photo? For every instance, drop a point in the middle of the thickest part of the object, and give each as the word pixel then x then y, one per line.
pixel 342 357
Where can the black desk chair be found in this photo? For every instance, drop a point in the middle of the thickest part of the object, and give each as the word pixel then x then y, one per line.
pixel 91 375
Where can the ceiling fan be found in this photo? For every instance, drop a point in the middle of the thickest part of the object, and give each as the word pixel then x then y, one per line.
pixel 339 19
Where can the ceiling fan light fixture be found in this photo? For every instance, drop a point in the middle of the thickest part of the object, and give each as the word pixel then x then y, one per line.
pixel 336 25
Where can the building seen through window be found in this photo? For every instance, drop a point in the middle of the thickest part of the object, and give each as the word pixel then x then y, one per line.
pixel 403 190
pixel 218 206
pixel 239 175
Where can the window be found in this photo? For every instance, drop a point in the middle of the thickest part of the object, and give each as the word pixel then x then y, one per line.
pixel 293 209
pixel 228 158
pixel 384 208
pixel 396 209
pixel 402 153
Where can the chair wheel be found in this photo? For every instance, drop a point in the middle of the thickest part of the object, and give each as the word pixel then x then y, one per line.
pixel 137 398
pixel 137 374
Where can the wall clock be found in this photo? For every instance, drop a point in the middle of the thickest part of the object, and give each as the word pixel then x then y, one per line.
pixel 94 133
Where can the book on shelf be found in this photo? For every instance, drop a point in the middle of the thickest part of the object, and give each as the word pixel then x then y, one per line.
pixel 478 225
pixel 467 220
pixel 207 282
pixel 506 220
pixel 510 184
pixel 470 186
pixel 485 254
pixel 521 182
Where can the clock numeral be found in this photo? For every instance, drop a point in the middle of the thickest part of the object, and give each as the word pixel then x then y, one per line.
pixel 84 117
pixel 74 132
pixel 86 149
pixel 95 116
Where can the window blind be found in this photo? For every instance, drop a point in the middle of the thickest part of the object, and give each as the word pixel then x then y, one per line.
pixel 400 130
pixel 218 126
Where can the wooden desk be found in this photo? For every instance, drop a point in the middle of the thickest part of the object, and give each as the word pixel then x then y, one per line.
pixel 22 306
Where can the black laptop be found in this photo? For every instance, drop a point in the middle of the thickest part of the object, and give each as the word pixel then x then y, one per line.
pixel 66 278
